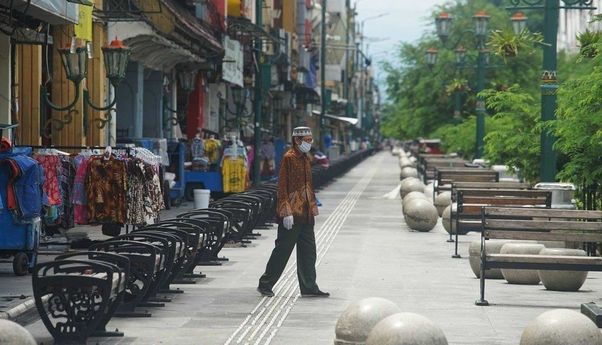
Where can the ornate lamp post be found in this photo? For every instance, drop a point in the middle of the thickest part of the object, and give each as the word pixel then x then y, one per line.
pixel 443 25
pixel 187 81
pixel 549 80
pixel 75 64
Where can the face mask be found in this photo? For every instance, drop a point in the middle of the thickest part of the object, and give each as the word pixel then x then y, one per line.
pixel 304 147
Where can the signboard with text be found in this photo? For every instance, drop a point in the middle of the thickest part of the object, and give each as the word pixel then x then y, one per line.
pixel 232 66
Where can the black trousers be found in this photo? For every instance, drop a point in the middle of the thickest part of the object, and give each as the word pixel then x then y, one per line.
pixel 303 236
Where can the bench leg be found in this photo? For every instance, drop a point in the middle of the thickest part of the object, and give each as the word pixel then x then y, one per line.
pixel 456 255
pixel 482 301
pixel 106 334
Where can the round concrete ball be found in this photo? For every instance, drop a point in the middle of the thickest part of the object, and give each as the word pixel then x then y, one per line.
pixel 410 196
pixel 562 280
pixel 411 184
pixel 405 163
pixel 408 172
pixel 12 333
pixel 359 319
pixel 526 277
pixel 446 219
pixel 561 327
pixel 406 329
pixel 474 257
pixel 421 215
pixel 442 200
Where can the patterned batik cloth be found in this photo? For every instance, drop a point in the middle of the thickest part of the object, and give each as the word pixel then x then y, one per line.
pixel 106 185
pixel 153 195
pixel 135 192
pixel 79 197
pixel 52 166
pixel 295 188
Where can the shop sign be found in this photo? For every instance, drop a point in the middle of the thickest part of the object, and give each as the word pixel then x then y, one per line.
pixel 232 66
pixel 83 29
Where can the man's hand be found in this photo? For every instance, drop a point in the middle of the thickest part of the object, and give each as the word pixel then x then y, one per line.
pixel 288 222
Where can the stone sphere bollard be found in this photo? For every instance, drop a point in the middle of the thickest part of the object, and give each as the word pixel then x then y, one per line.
pixel 526 277
pixel 562 280
pixel 442 200
pixel 429 189
pixel 408 172
pixel 359 319
pixel 474 257
pixel 446 219
pixel 421 215
pixel 406 329
pixel 12 333
pixel 561 327
pixel 405 163
pixel 411 184
pixel 411 195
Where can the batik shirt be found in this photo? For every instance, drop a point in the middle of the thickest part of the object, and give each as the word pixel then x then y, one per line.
pixel 295 188
pixel 106 190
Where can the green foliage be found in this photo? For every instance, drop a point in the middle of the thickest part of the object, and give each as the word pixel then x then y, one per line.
pixel 587 43
pixel 514 131
pixel 419 103
pixel 578 126
pixel 458 138
pixel 457 85
pixel 506 44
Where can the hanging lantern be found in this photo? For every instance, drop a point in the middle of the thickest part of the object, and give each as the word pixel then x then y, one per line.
pixel 238 94
pixel 75 62
pixel 519 22
pixel 116 56
pixel 460 55
pixel 187 80
pixel 431 56
pixel 443 25
pixel 481 21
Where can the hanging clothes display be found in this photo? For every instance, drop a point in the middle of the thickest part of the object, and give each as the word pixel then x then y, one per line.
pixel 51 165
pixel 80 197
pixel 212 148
pixel 106 185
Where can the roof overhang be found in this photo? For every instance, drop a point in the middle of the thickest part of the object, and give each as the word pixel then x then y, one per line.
pixel 350 120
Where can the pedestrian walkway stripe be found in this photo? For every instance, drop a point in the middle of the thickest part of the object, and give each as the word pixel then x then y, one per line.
pixel 269 314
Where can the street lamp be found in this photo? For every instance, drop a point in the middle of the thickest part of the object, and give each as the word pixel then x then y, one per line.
pixel 519 22
pixel 443 25
pixel 549 80
pixel 480 31
pixel 431 57
pixel 75 63
pixel 481 23
pixel 187 79
pixel 460 55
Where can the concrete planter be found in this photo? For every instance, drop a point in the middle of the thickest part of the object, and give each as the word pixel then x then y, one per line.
pixel 525 277
pixel 442 200
pixel 474 257
pixel 562 280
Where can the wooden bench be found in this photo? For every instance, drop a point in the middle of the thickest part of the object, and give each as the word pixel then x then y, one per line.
pixel 77 297
pixel 470 201
pixel 428 163
pixel 445 177
pixel 540 225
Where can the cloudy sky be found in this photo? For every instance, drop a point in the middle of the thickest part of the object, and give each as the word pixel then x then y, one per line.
pixel 405 20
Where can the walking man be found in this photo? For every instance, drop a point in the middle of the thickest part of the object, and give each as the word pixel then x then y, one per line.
pixel 295 211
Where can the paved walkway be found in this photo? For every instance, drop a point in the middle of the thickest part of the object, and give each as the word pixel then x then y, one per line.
pixel 365 249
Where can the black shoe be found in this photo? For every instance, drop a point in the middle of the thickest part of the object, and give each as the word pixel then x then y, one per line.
pixel 316 294
pixel 265 292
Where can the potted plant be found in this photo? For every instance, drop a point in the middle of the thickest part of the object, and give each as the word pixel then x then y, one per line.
pixel 587 43
pixel 508 44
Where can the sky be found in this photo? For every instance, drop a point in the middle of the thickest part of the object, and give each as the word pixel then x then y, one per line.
pixel 405 21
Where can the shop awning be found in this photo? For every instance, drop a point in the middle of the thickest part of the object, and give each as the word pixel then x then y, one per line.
pixel 158 53
pixel 243 27
pixel 350 120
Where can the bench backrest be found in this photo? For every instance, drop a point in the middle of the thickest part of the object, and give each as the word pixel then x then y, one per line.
pixel 428 166
pixel 541 224
pixel 490 185
pixel 470 201
pixel 449 176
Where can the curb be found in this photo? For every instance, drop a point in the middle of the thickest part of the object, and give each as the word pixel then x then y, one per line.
pixel 23 312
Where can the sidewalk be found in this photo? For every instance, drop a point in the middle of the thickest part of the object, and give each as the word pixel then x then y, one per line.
pixel 365 249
